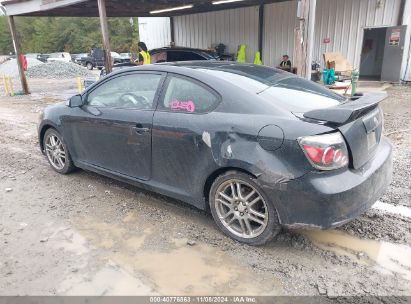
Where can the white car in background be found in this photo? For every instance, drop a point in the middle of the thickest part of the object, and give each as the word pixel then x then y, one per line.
pixel 62 56
pixel 116 58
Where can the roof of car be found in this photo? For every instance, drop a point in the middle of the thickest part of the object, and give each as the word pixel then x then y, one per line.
pixel 180 48
pixel 215 70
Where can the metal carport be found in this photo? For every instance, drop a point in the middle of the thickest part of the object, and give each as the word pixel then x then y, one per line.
pixel 160 8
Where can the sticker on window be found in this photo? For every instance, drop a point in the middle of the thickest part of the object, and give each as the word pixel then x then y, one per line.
pixel 177 105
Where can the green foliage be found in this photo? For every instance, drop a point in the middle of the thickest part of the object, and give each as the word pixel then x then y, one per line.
pixel 6 45
pixel 69 34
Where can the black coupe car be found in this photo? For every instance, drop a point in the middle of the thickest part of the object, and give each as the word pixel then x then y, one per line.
pixel 258 147
pixel 173 54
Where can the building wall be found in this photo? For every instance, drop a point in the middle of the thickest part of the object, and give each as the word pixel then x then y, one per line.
pixel 230 27
pixel 343 21
pixel 154 31
pixel 406 64
pixel 280 20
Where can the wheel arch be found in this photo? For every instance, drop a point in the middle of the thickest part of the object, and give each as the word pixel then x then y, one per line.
pixel 43 131
pixel 212 177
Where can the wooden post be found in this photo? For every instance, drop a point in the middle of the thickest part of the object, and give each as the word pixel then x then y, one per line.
pixel 17 50
pixel 104 33
pixel 303 36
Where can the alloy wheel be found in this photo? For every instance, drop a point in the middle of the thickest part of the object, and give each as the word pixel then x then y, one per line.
pixel 55 151
pixel 241 208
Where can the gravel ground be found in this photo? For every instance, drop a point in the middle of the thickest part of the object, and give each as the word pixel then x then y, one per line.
pixel 86 234
pixel 58 70
pixel 397 115
pixel 10 68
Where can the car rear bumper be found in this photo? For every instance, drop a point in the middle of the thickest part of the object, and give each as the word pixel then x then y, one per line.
pixel 329 199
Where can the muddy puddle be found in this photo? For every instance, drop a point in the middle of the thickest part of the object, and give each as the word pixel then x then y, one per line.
pixel 109 280
pixel 388 258
pixel 168 265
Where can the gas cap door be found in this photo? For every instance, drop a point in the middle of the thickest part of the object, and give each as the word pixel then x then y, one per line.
pixel 270 137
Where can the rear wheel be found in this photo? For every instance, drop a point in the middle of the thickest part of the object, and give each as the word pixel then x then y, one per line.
pixel 57 153
pixel 241 209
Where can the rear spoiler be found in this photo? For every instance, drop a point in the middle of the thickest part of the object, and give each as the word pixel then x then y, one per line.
pixel 347 111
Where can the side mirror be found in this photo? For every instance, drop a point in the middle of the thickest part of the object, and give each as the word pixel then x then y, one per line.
pixel 75 101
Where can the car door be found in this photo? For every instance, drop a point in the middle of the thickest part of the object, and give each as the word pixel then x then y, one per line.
pixel 112 130
pixel 181 134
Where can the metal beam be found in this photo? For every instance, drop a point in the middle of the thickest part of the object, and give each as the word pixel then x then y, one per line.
pixel 104 33
pixel 172 30
pixel 310 37
pixel 17 50
pixel 117 8
pixel 260 28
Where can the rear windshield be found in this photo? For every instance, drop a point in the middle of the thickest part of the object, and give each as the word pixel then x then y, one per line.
pixel 286 90
pixel 300 84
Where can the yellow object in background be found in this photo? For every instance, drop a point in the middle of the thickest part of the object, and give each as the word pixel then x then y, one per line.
pixel 8 85
pixel 257 58
pixel 80 85
pixel 241 55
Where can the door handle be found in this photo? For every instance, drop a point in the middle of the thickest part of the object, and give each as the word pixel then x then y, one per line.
pixel 139 129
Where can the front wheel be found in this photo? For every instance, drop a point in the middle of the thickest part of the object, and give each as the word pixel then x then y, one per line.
pixel 57 153
pixel 241 209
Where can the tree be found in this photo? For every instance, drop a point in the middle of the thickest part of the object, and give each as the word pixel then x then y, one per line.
pixel 6 44
pixel 69 34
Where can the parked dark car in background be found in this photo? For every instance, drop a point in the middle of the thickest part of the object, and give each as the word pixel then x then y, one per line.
pixel 95 59
pixel 77 57
pixel 258 147
pixel 171 54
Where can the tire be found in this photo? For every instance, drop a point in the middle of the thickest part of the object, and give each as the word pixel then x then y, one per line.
pixel 240 209
pixel 89 66
pixel 54 147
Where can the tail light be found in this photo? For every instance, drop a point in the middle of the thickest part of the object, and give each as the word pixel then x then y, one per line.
pixel 326 151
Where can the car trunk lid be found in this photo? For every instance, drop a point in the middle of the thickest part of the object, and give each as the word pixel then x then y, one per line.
pixel 360 121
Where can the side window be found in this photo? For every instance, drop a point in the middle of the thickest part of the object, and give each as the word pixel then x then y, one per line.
pixel 188 56
pixel 173 56
pixel 183 95
pixel 135 91
pixel 159 57
pixel 183 56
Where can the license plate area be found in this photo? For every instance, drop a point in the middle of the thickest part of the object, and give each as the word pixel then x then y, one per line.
pixel 371 140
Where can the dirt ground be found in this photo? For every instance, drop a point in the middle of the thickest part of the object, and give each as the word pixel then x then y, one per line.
pixel 83 234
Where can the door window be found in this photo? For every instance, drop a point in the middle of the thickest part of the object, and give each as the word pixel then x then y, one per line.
pixel 187 96
pixel 135 91
pixel 183 56
pixel 159 57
